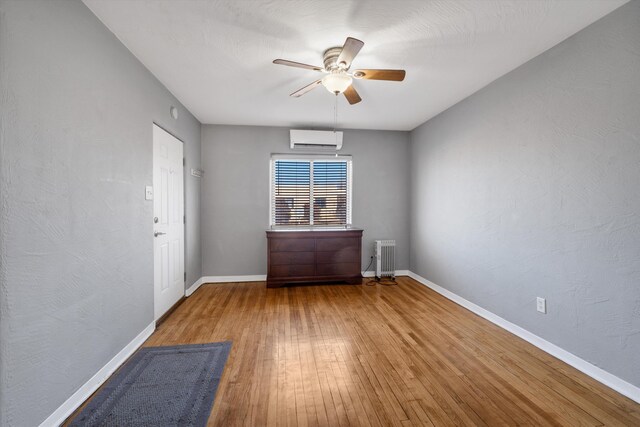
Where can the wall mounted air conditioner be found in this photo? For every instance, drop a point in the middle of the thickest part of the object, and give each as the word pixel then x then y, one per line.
pixel 315 139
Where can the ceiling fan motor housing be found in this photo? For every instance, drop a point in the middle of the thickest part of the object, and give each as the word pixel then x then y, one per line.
pixel 331 59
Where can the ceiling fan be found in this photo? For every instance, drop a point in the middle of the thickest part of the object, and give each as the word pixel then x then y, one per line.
pixel 337 62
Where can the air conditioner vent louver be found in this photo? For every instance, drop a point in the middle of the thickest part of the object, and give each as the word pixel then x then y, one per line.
pixel 385 253
pixel 305 145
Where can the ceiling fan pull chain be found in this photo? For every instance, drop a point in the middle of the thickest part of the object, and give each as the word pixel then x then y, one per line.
pixel 335 115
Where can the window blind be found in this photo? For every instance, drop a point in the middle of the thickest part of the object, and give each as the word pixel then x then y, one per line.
pixel 292 193
pixel 329 193
pixel 310 192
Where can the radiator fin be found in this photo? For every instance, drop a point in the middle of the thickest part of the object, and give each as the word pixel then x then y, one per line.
pixel 385 253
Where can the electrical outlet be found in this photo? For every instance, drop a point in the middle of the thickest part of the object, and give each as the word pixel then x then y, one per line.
pixel 541 305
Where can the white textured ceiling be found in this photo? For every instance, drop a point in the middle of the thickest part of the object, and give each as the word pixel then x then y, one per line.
pixel 215 56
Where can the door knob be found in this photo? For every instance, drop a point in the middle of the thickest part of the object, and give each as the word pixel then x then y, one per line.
pixel 158 233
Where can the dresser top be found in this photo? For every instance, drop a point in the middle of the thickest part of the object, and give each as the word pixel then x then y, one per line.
pixel 312 229
pixel 314 233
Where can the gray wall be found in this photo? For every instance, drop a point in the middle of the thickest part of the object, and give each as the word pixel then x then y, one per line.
pixel 235 197
pixel 530 188
pixel 75 231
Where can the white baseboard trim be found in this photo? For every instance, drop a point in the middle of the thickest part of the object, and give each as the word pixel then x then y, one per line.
pixel 258 278
pixel 372 273
pixel 226 279
pixel 223 279
pixel 87 389
pixel 191 289
pixel 598 374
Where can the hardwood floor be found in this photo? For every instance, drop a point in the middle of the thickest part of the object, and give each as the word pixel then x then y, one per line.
pixel 337 355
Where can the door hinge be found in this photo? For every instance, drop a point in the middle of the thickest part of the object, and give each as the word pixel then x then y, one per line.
pixel 184 161
pixel 184 219
pixel 185 276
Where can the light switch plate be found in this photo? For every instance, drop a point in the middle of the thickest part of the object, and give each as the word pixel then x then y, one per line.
pixel 148 192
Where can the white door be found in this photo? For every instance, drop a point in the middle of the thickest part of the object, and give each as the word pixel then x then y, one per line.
pixel 168 212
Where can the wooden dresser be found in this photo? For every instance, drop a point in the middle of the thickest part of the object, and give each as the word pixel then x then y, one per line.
pixel 314 256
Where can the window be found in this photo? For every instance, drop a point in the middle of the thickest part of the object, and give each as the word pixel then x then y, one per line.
pixel 310 191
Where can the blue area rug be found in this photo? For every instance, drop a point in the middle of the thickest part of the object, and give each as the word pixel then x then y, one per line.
pixel 160 386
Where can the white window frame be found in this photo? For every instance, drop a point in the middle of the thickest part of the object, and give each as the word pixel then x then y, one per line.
pixel 311 158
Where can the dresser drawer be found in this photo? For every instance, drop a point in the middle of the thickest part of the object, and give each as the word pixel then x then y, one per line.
pixel 313 256
pixel 288 258
pixel 334 244
pixel 292 245
pixel 338 269
pixel 292 270
pixel 350 255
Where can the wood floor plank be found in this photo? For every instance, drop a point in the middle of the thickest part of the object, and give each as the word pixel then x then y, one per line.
pixel 343 355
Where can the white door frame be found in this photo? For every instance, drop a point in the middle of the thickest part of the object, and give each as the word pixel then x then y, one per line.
pixel 184 209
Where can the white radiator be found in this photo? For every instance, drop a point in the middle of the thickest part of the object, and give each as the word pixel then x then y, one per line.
pixel 385 253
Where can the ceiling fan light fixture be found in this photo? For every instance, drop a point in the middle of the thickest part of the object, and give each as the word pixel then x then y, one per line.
pixel 337 82
pixel 337 63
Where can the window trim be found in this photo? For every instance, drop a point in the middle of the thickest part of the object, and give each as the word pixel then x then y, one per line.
pixel 311 158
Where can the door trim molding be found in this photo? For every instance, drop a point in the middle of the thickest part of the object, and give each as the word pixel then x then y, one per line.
pixel 168 131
